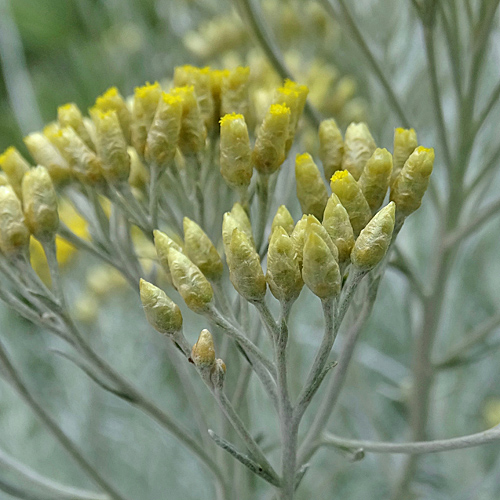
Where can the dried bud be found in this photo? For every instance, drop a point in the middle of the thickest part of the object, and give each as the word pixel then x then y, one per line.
pixel 320 270
pixel 145 103
pixel 283 272
pixel 15 166
pixel 200 249
pixel 358 147
pixel 245 271
pixel 234 91
pixel 14 235
pixel 235 154
pixel 162 313
pixel 45 153
pixel 163 244
pixel 331 147
pixel 411 184
pixel 139 175
pixel 375 178
pixel 405 142
pixel 284 219
pixel 70 115
pixel 373 242
pixel 236 218
pixel 163 135
pixel 350 195
pixel 203 353
pixel 189 281
pixel 111 146
pixel 311 190
pixel 269 150
pixel 40 203
pixel 337 225
pixel 112 100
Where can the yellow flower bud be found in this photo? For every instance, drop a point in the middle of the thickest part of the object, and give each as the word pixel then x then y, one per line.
pixel 234 91
pixel 235 154
pixel 315 226
pixel 284 219
pixel 289 97
pixel 302 92
pixel 236 218
pixel 311 190
pixel 269 150
pixel 216 77
pixel 139 175
pixel 15 166
pixel 3 180
pixel 40 203
pixel 405 142
pixel 145 102
pixel 70 115
pixel 320 270
pixel 45 153
pixel 111 146
pixel 350 195
pixel 331 147
pixel 411 184
pixel 14 235
pixel 163 135
pixel 200 249
pixel 203 353
pixel 358 147
pixel 283 272
pixel 245 270
pixel 112 100
pixel 373 242
pixel 163 244
pixel 161 312
pixel 375 178
pixel 189 282
pixel 298 236
pixel 199 78
pixel 337 225
pixel 193 133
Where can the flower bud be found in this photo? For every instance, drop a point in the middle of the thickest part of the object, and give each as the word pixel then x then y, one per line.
pixel 315 226
pixel 269 150
pixel 139 175
pixel 234 91
pixel 218 374
pixel 375 178
pixel 163 135
pixel 40 203
pixel 331 147
pixel 112 100
pixel 405 142
pixel 189 281
pixel 320 270
pixel 163 244
pixel 193 133
pixel 235 154
pixel 145 103
pixel 70 115
pixel 203 352
pixel 236 218
pixel 358 147
pixel 45 153
pixel 111 146
pixel 337 225
pixel 200 249
pixel 284 219
pixel 245 270
pixel 216 77
pixel 350 195
pixel 411 184
pixel 15 166
pixel 3 180
pixel 14 235
pixel 373 242
pixel 311 190
pixel 283 272
pixel 161 312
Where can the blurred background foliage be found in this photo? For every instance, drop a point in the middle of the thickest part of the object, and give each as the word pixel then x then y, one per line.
pixel 73 50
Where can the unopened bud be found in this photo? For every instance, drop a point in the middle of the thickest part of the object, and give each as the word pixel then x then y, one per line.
pixel 245 270
pixel 112 100
pixel 189 281
pixel 405 142
pixel 376 177
pixel 358 147
pixel 70 115
pixel 311 190
pixel 234 91
pixel 139 175
pixel 163 244
pixel 218 374
pixel 269 150
pixel 337 225
pixel 145 103
pixel 40 203
pixel 315 226
pixel 284 219
pixel 236 218
pixel 216 77
pixel 235 154
pixel 203 352
pixel 15 166
pixel 14 235
pixel 373 242
pixel 200 249
pixel 331 147
pixel 351 196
